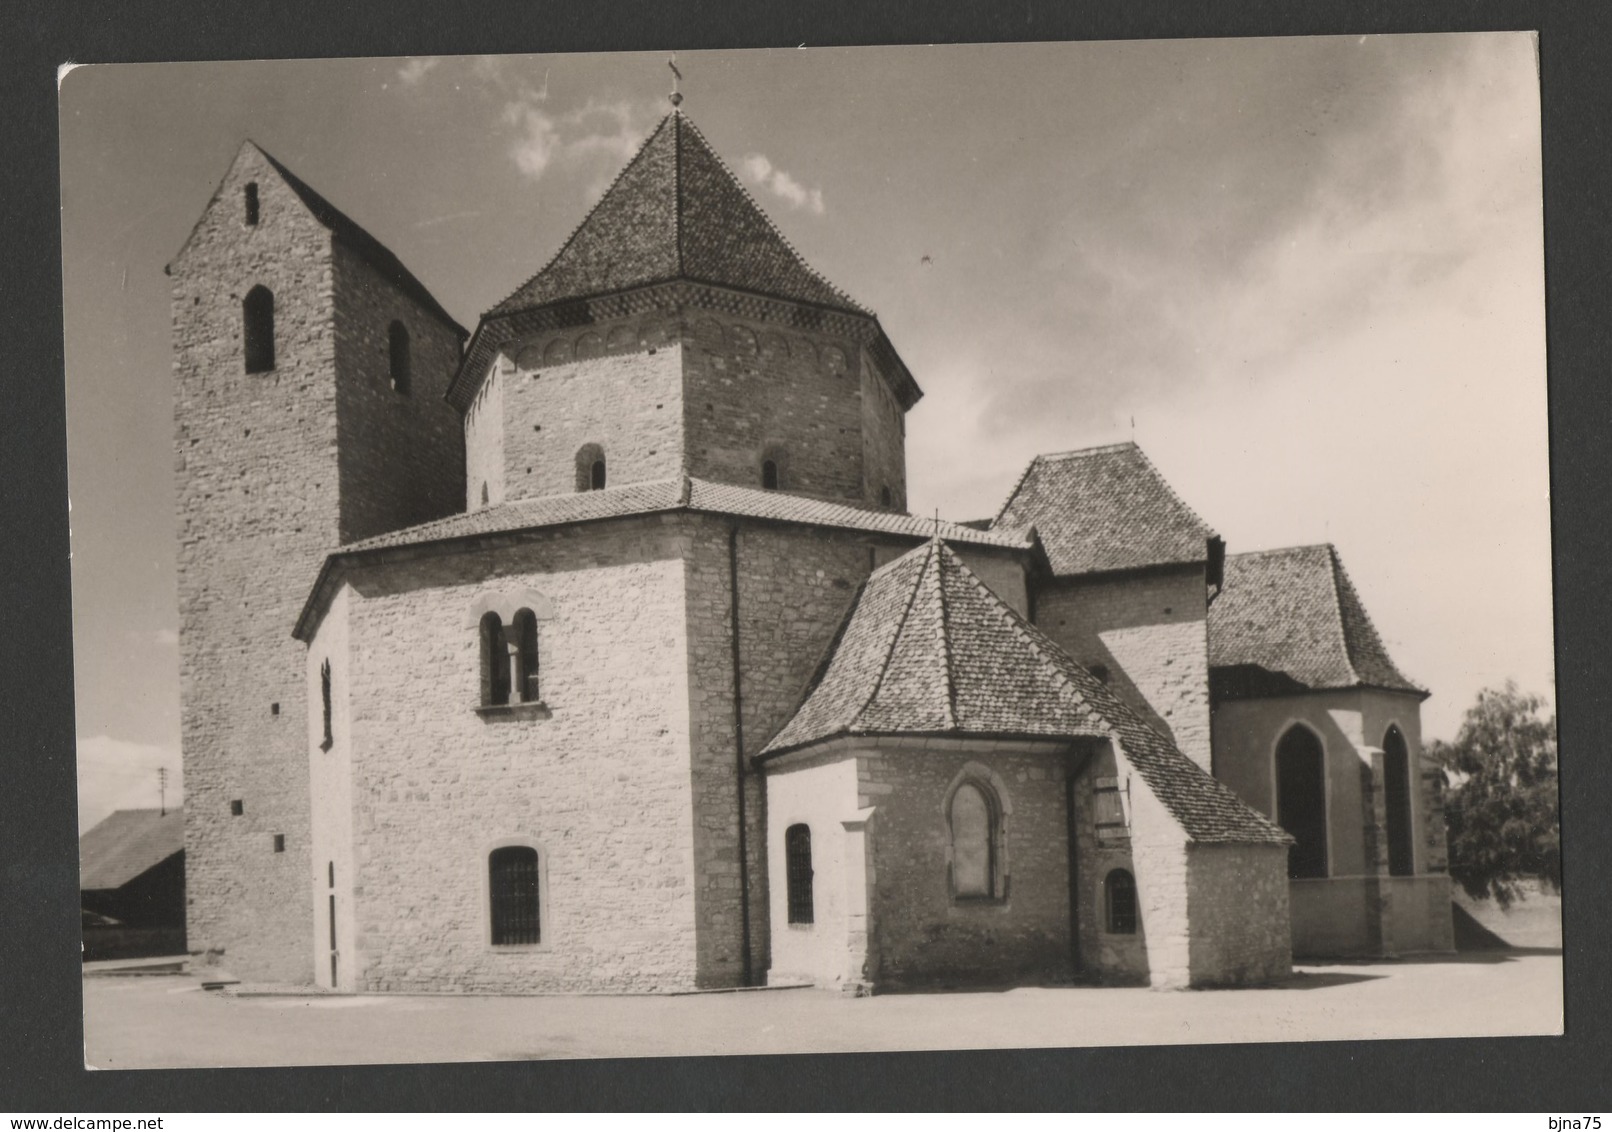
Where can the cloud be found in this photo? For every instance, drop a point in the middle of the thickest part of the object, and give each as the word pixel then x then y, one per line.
pixel 119 774
pixel 412 72
pixel 762 172
pixel 598 138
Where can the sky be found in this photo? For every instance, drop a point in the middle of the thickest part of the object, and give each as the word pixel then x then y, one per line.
pixel 1305 275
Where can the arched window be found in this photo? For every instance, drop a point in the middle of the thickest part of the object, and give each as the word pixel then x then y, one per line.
pixel 494 661
pixel 590 468
pixel 251 204
pixel 973 836
pixel 525 656
pixel 1397 795
pixel 1301 800
pixel 798 872
pixel 324 695
pixel 397 352
pixel 774 467
pixel 1119 903
pixel 257 329
pixel 769 475
pixel 513 895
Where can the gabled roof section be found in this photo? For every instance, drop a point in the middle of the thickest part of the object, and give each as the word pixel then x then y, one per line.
pixel 928 650
pixel 1290 620
pixel 676 212
pixel 1101 509
pixel 367 247
pixel 126 844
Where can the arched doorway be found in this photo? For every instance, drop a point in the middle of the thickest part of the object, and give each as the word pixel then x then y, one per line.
pixel 1397 794
pixel 1301 800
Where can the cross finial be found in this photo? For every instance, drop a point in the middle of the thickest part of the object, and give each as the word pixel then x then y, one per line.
pixel 677 76
pixel 937 524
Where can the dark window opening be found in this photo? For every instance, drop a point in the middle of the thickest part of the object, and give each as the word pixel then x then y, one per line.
pixel 324 700
pixel 279 843
pixel 398 356
pixel 885 498
pixel 973 834
pixel 251 204
pixel 590 468
pixel 512 888
pixel 332 868
pixel 1119 902
pixel 494 661
pixel 484 495
pixel 1397 795
pixel 1301 801
pixel 274 709
pixel 257 329
pixel 1100 671
pixel 236 809
pixel 525 655
pixel 1109 806
pixel 769 475
pixel 798 873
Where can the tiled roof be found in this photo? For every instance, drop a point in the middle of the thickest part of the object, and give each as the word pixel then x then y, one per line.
pixel 1289 620
pixel 927 649
pixel 1104 509
pixel 126 844
pixel 368 248
pixel 682 494
pixel 675 212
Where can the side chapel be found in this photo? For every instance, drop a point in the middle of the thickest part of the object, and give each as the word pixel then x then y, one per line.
pixel 595 650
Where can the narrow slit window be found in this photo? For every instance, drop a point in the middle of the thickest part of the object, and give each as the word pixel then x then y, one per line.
pixel 596 474
pixel 798 873
pixel 769 475
pixel 494 661
pixel 526 660
pixel 513 892
pixel 251 204
pixel 324 700
pixel 590 468
pixel 257 329
pixel 397 351
pixel 279 843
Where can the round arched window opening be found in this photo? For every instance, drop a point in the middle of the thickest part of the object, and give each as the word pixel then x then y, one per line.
pixel 769 475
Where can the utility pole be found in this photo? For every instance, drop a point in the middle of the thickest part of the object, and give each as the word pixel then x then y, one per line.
pixel 162 790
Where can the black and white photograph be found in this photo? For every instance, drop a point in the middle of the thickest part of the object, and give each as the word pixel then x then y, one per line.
pixel 823 550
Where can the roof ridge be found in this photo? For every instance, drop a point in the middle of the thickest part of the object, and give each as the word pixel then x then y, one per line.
pixel 890 651
pixel 1174 494
pixel 1274 550
pixel 1337 612
pixel 1072 453
pixel 949 669
pixel 587 216
pixel 1341 581
pixel 1018 485
pixel 767 219
pixel 677 185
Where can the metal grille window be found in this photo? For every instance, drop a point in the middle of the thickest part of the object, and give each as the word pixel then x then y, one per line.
pixel 798 872
pixel 512 884
pixel 1119 900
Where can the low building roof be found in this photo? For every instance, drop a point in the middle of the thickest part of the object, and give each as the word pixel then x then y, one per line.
pixel 928 650
pixel 1289 621
pixel 657 496
pixel 126 844
pixel 1103 509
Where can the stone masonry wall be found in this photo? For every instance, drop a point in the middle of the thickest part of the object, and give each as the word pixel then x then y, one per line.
pixel 257 504
pixel 1106 957
pixel 618 385
pixel 750 387
pixel 484 441
pixel 922 933
pixel 1237 905
pixel 330 779
pixel 821 794
pixel 598 780
pixel 1149 630
pixel 884 439
pixel 402 455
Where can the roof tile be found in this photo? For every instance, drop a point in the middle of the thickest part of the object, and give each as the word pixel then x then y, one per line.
pixel 126 844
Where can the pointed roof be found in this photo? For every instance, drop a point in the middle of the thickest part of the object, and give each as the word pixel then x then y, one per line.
pixel 676 212
pixel 1108 508
pixel 1290 620
pixel 127 843
pixel 928 650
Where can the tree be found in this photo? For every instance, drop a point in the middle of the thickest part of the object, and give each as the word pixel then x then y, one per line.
pixel 1501 805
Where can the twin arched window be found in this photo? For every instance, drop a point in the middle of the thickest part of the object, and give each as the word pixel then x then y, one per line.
pixel 1119 903
pixel 976 824
pixel 590 468
pixel 257 329
pixel 397 353
pixel 509 662
pixel 798 873
pixel 512 890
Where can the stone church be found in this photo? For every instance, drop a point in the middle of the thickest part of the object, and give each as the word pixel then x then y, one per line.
pixel 596 650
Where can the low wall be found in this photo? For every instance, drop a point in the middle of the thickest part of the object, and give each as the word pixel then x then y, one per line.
pixel 1419 914
pixel 1371 916
pixel 1237 906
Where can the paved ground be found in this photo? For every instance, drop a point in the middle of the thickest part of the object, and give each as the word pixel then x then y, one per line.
pixel 168 1020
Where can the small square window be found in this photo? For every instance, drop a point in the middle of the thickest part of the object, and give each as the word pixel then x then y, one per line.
pixel 236 809
pixel 279 843
pixel 274 709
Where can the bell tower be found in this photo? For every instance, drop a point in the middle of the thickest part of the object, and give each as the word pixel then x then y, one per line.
pixel 309 371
